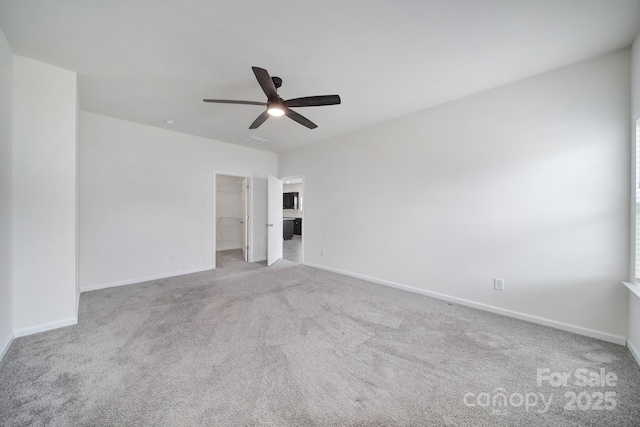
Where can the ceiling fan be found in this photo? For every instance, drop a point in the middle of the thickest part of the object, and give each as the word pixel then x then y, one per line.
pixel 277 106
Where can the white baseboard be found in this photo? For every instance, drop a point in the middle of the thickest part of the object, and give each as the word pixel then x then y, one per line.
pixel 143 279
pixel 227 248
pixel 4 349
pixel 45 327
pixel 634 351
pixel 603 336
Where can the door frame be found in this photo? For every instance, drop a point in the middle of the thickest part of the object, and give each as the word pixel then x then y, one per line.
pixel 274 220
pixel 248 223
pixel 304 196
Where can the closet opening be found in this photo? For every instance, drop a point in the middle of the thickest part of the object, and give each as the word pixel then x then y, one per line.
pixel 231 227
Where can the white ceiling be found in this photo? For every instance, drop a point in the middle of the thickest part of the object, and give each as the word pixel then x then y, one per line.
pixel 152 60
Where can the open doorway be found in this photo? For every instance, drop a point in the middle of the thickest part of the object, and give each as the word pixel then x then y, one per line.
pixel 231 226
pixel 293 218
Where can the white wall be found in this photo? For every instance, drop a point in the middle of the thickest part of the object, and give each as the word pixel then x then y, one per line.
pixel 527 182
pixel 6 195
pixel 146 192
pixel 635 78
pixel 44 196
pixel 634 300
pixel 292 188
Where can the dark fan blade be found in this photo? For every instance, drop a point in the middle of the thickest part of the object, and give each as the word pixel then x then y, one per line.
pixel 300 118
pixel 230 101
pixel 260 120
pixel 313 101
pixel 266 83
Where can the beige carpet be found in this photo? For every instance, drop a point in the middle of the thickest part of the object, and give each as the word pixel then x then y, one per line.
pixel 296 346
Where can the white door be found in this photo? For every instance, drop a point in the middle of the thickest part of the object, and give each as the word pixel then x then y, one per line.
pixel 274 217
pixel 245 219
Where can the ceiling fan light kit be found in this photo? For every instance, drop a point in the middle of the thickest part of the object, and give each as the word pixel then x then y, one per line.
pixel 275 110
pixel 277 106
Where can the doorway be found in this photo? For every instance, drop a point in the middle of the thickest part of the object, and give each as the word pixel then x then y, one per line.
pixel 293 218
pixel 231 222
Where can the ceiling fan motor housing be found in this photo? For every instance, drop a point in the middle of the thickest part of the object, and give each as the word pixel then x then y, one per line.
pixel 277 81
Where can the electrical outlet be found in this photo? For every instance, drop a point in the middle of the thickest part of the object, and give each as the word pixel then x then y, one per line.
pixel 498 284
pixel 171 257
pixel 322 252
pixel 166 258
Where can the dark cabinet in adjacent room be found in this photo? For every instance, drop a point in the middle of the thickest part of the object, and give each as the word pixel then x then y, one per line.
pixel 297 226
pixel 287 228
pixel 290 201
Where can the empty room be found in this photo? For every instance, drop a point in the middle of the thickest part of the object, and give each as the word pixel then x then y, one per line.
pixel 336 213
